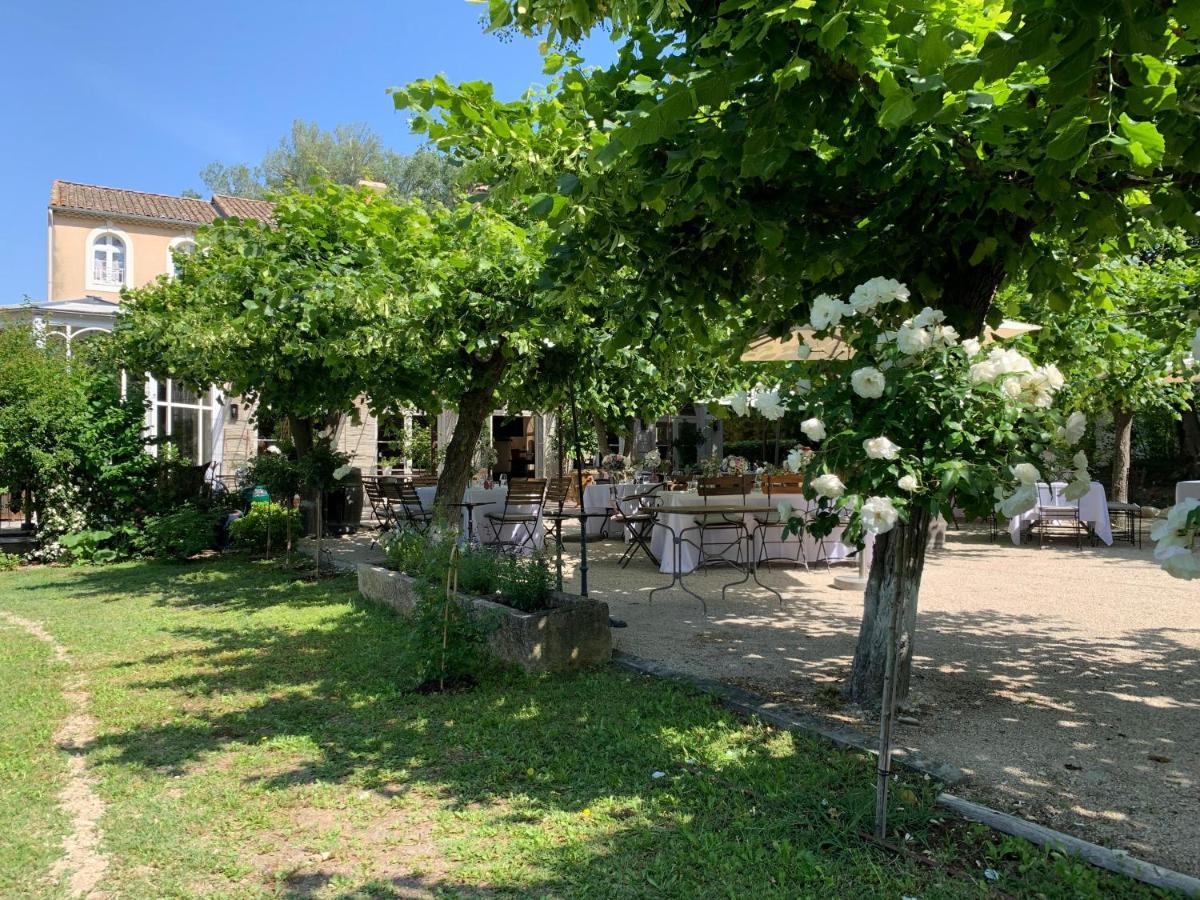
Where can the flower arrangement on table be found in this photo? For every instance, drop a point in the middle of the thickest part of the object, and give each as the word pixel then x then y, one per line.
pixel 735 465
pixel 614 463
pixel 652 461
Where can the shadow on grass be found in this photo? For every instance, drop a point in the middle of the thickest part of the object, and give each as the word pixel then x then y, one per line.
pixel 522 761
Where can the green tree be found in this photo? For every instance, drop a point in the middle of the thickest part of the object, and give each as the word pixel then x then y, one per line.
pixel 1123 342
pixel 296 315
pixel 744 157
pixel 308 155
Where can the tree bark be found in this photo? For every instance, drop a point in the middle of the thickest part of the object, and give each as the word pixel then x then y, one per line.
pixel 895 578
pixel 969 292
pixel 1122 445
pixel 601 437
pixel 474 406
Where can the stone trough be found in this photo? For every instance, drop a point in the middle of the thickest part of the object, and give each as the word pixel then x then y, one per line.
pixel 572 633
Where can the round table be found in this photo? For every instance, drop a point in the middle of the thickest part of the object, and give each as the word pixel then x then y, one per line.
pixel 484 501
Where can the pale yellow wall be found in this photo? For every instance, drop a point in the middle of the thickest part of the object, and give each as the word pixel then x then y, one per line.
pixel 360 440
pixel 69 260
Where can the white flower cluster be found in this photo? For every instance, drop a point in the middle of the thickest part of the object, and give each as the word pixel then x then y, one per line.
pixel 1081 481
pixel 1072 431
pixel 1177 538
pixel 767 401
pixel 828 311
pixel 880 448
pixel 922 332
pixel 1019 379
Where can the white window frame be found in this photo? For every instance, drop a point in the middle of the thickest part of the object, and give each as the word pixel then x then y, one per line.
pixel 211 400
pixel 176 242
pixel 127 276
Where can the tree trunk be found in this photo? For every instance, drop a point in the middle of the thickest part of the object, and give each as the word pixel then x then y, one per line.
pixel 895 578
pixel 969 292
pixel 601 437
pixel 474 406
pixel 1189 427
pixel 1122 443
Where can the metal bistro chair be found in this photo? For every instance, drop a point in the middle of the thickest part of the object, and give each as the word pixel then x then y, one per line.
pixel 522 493
pixel 404 499
pixel 556 512
pixel 1126 522
pixel 731 527
pixel 782 487
pixel 633 513
pixel 381 508
pixel 1055 517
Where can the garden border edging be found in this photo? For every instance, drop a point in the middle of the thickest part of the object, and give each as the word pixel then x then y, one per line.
pixel 747 703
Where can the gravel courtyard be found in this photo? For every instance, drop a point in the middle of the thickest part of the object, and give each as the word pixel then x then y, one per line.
pixel 1064 682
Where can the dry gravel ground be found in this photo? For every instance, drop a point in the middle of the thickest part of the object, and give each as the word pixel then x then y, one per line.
pixel 1064 682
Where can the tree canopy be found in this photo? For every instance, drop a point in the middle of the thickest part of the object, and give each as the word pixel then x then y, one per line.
pixel 309 155
pixel 747 151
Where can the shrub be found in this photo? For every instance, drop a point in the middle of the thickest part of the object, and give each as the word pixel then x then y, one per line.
pixel 263 521
pixel 406 550
pixel 524 583
pixel 443 642
pixel 479 571
pixel 181 533
pixel 88 546
pixel 8 561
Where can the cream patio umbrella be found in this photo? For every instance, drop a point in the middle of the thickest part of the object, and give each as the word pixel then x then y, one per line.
pixel 769 349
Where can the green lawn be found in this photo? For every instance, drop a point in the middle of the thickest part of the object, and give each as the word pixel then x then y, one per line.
pixel 252 743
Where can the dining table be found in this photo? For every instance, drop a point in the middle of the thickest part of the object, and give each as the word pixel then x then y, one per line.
pixel 677 511
pixel 599 504
pixel 478 501
pixel 1093 510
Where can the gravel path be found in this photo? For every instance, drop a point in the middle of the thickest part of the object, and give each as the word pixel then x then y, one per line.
pixel 1064 682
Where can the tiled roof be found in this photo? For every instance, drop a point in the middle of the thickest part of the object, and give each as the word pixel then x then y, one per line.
pixel 117 202
pixel 242 208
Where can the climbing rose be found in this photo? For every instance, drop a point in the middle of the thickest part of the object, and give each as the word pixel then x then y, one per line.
pixel 907 483
pixel 740 402
pixel 827 311
pixel 1026 473
pixel 912 340
pixel 878 515
pixel 972 346
pixel 767 403
pixel 875 291
pixel 828 485
pixel 868 382
pixel 814 429
pixel 880 448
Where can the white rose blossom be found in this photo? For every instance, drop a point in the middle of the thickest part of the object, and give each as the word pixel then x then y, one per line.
pixel 876 291
pixel 784 509
pixel 878 515
pixel 767 403
pixel 803 350
pixel 1023 499
pixel 813 429
pixel 828 485
pixel 908 483
pixel 740 403
pixel 912 340
pixel 972 346
pixel 797 459
pixel 1176 541
pixel 946 335
pixel 827 312
pixel 1073 430
pixel 868 382
pixel 880 448
pixel 927 317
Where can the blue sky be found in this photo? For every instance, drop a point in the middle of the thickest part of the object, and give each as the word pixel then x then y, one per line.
pixel 143 94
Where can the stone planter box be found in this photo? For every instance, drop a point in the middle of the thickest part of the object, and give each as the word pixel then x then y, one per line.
pixel 570 634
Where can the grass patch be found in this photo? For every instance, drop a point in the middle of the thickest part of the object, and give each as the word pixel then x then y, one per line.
pixel 31 769
pixel 255 741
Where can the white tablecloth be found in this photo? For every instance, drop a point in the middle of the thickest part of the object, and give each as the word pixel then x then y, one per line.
pixel 661 540
pixel 489 500
pixel 597 500
pixel 1093 509
pixel 1185 489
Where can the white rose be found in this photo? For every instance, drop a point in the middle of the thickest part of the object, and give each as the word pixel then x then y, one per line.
pixel 912 341
pixel 873 292
pixel 1074 428
pixel 767 403
pixel 1181 563
pixel 946 335
pixel 868 382
pixel 878 515
pixel 1080 461
pixel 880 448
pixel 341 472
pixel 1011 388
pixel 907 483
pixel 928 316
pixel 740 403
pixel 826 312
pixel 784 509
pixel 828 485
pixel 803 350
pixel 1026 473
pixel 1176 519
pixel 972 346
pixel 814 429
pixel 1077 488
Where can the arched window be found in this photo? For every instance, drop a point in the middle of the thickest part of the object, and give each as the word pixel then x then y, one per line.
pixel 178 247
pixel 109 260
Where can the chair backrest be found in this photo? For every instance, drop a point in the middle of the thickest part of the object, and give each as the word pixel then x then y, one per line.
pixel 526 492
pixel 410 498
pixel 1046 495
pixel 724 485
pixel 557 491
pixel 371 486
pixel 783 484
pixel 389 487
pixel 423 480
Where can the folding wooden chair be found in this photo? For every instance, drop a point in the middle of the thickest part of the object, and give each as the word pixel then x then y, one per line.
pixel 404 499
pixel 778 487
pixel 633 514
pixel 522 512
